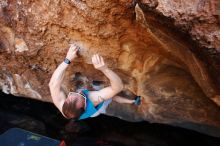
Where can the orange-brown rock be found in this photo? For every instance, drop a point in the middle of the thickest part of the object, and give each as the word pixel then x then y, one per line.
pixel 199 17
pixel 154 59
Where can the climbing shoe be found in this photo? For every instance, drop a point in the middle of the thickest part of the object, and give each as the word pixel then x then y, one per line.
pixel 137 100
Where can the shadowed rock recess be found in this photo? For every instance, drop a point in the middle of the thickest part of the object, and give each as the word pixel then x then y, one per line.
pixel 167 51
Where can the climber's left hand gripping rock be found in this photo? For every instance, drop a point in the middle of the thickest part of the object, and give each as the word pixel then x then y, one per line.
pixel 72 53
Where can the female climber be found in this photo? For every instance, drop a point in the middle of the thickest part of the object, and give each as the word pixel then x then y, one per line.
pixel 86 103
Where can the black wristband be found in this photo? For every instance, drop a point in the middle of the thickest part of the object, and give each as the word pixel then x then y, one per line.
pixel 67 61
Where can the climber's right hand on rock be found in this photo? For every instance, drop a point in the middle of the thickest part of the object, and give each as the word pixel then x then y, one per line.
pixel 98 62
pixel 72 53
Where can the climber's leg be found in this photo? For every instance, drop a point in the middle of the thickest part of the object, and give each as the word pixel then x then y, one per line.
pixel 121 99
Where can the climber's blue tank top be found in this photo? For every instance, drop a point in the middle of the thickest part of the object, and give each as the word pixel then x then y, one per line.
pixel 90 108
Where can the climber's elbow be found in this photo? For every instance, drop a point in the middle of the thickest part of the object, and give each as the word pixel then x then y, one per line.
pixel 121 87
pixel 118 88
pixel 53 83
pixel 50 83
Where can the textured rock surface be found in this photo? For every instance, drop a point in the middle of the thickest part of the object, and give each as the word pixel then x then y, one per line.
pixel 154 59
pixel 200 17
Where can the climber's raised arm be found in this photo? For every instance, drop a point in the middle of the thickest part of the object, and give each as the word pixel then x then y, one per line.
pixel 108 92
pixel 57 94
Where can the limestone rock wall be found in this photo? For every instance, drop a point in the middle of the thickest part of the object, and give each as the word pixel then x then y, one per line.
pixel 200 18
pixel 138 40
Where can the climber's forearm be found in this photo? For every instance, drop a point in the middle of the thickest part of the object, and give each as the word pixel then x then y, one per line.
pixel 115 80
pixel 58 76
